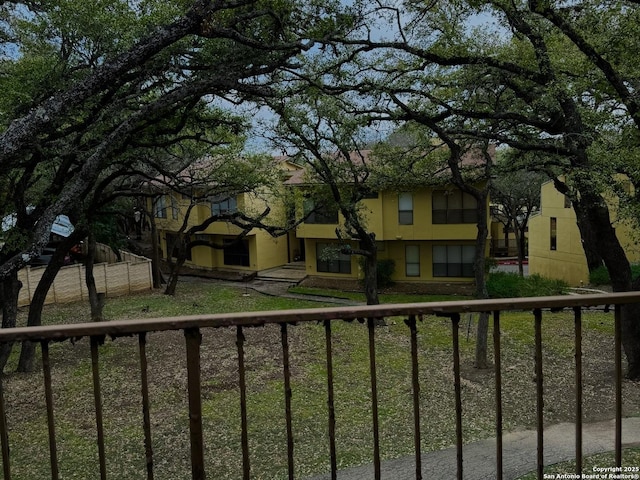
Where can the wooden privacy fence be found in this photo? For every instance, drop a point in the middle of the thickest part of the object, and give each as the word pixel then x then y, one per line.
pixel 105 253
pixel 131 275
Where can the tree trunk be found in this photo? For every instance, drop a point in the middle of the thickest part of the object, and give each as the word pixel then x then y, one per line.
pixel 371 279
pixel 591 209
pixel 630 327
pixel 520 249
pixel 479 264
pixel 28 350
pixel 172 283
pixel 523 252
pixel 589 236
pixel 9 291
pixel 156 272
pixel 96 300
pixel 174 267
pixel 482 340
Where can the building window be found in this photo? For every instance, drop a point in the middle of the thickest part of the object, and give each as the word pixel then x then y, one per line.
pixel 412 260
pixel 553 240
pixel 236 252
pixel 175 210
pixel 567 201
pixel 453 206
pixel 160 207
pixel 330 259
pixel 453 260
pixel 405 208
pixel 223 206
pixel 319 214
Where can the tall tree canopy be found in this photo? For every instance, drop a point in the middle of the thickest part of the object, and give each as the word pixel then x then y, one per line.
pixel 84 83
pixel 554 79
pixel 95 92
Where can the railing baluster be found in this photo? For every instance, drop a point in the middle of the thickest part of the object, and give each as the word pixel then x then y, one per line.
pixel 193 340
pixel 330 401
pixel 97 397
pixel 371 323
pixel 577 312
pixel 144 385
pixel 497 352
pixel 192 326
pixel 539 392
pixel 287 396
pixel 455 333
pixel 246 466
pixel 415 381
pixel 618 360
pixel 4 435
pixel 48 395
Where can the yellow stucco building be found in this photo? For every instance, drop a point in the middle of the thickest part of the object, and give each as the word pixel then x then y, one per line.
pixel 256 251
pixel 429 234
pixel 555 245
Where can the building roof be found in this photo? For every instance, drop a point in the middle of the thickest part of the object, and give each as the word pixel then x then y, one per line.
pixel 471 158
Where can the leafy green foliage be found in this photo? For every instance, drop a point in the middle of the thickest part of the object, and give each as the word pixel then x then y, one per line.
pixel 600 276
pixel 512 285
pixel 385 269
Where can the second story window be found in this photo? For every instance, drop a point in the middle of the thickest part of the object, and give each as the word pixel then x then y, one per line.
pixel 319 214
pixel 405 208
pixel 175 210
pixel 453 206
pixel 553 240
pixel 160 207
pixel 224 206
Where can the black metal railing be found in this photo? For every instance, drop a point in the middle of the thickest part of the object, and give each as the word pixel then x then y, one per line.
pixel 193 327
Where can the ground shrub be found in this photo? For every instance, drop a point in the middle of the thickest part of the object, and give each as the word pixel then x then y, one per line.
pixel 600 276
pixel 385 269
pixel 509 285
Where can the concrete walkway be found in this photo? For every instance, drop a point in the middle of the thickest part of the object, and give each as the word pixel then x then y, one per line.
pixel 519 454
pixel 280 289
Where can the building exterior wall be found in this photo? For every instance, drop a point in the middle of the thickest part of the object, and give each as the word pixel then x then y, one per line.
pixel 567 260
pixel 398 241
pixel 398 251
pixel 416 239
pixel 264 250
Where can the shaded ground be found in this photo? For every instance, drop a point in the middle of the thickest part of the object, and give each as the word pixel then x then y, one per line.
pixel 169 412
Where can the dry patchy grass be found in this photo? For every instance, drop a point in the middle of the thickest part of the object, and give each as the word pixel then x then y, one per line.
pixel 267 435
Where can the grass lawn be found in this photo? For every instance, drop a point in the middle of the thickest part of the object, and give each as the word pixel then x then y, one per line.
pixel 384 297
pixel 75 420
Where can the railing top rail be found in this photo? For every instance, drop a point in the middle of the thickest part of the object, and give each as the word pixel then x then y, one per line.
pixel 118 328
